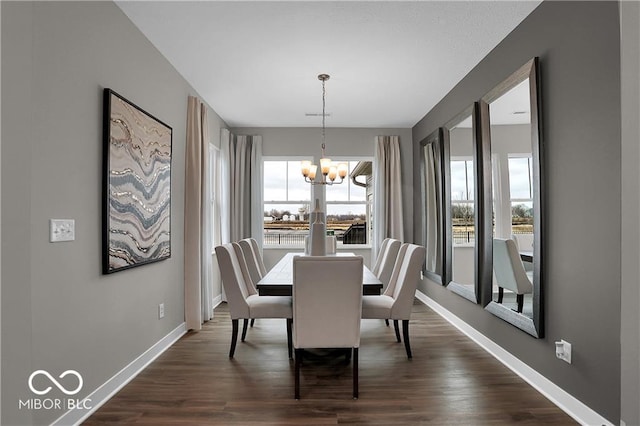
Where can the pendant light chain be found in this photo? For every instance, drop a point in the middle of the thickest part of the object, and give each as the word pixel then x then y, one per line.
pixel 330 172
pixel 323 115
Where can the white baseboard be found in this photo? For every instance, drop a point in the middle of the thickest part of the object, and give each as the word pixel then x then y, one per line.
pixel 217 301
pixel 120 379
pixel 565 401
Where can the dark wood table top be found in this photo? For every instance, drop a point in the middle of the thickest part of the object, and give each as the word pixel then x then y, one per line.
pixel 526 256
pixel 279 280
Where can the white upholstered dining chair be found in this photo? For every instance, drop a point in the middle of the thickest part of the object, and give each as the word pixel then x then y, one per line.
pixel 250 257
pixel 386 260
pixel 397 300
pixel 259 257
pixel 327 304
pixel 242 298
pixel 510 272
pixel 255 266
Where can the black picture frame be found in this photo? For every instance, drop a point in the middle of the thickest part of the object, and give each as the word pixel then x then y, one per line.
pixel 136 212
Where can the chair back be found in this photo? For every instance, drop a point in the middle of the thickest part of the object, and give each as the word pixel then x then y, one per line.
pixel 327 301
pixel 251 260
pixel 331 244
pixel 508 268
pixel 258 254
pixel 404 279
pixel 378 262
pixel 234 280
pixel 386 261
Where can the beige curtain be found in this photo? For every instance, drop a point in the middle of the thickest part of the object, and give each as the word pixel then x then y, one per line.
pixel 245 183
pixel 387 191
pixel 197 230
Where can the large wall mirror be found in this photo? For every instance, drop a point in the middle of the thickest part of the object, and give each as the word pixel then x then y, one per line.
pixel 462 201
pixel 510 123
pixel 433 220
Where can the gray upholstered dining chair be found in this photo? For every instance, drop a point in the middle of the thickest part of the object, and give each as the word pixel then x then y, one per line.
pixel 327 303
pixel 242 298
pixel 386 260
pixel 510 272
pixel 396 302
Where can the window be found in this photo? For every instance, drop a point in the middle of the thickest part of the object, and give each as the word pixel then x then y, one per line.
pixel 462 200
pixel 521 193
pixel 214 195
pixel 348 209
pixel 287 203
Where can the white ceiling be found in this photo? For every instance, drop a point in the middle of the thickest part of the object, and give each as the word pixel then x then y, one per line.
pixel 256 63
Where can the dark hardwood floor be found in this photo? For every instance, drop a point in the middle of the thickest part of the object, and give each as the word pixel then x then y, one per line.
pixel 449 381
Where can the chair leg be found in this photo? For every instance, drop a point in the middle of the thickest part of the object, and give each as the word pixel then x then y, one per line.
pixel 395 326
pixel 253 320
pixel 405 335
pixel 520 300
pixel 244 329
pixel 289 339
pixel 297 373
pixel 500 294
pixel 355 373
pixel 386 321
pixel 234 337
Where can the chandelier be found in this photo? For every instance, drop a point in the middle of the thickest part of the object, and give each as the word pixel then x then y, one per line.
pixel 328 170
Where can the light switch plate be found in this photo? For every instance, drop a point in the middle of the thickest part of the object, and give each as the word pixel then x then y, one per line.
pixel 62 230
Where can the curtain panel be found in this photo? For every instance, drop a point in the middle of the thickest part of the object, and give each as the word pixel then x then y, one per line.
pixel 387 192
pixel 198 285
pixel 244 208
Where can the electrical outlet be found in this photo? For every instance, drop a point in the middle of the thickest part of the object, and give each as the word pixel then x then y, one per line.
pixel 62 230
pixel 161 311
pixel 563 351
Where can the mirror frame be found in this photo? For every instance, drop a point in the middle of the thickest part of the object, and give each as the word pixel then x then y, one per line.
pixel 530 70
pixel 437 138
pixel 481 224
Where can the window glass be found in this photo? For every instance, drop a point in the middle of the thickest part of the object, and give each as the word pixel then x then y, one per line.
pixel 287 198
pixel 214 195
pixel 520 178
pixel 462 200
pixel 347 206
pixel 521 193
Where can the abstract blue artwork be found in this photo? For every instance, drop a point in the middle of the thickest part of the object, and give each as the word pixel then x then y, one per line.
pixel 136 186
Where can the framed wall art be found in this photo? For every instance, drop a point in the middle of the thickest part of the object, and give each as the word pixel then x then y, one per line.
pixel 136 186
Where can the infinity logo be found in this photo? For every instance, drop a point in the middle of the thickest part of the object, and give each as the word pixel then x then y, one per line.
pixel 55 382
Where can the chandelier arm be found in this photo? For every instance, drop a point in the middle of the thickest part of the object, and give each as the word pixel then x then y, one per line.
pixel 327 173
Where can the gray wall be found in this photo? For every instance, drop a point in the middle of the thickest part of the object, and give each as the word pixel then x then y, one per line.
pixel 303 141
pixel 578 45
pixel 58 311
pixel 630 88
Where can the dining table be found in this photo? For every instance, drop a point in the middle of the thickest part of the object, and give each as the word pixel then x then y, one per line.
pixel 526 256
pixel 279 280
